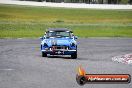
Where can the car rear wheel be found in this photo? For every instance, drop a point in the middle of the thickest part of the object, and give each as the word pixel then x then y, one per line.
pixel 74 55
pixel 44 54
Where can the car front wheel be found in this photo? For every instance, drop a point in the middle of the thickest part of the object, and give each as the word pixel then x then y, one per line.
pixel 74 55
pixel 44 54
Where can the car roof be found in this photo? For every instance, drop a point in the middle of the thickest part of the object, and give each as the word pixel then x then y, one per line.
pixel 58 29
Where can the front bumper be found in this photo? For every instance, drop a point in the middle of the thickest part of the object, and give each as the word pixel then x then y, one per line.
pixel 59 52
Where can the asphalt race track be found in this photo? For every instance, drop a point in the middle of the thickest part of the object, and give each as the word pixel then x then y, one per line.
pixel 21 64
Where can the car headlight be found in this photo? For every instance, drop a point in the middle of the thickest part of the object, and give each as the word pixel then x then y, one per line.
pixel 73 44
pixel 45 45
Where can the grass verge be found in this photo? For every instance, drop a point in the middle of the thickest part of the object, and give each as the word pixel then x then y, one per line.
pixel 26 21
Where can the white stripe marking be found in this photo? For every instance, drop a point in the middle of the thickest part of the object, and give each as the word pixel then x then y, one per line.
pixel 7 69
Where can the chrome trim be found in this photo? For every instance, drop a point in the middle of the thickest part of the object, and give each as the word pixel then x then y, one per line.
pixel 59 50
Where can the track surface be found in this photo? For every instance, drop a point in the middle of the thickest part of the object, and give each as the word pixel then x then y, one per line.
pixel 21 64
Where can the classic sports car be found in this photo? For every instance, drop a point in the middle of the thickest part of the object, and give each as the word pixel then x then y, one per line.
pixel 59 41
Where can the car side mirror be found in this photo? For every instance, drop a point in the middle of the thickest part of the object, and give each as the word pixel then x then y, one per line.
pixel 75 37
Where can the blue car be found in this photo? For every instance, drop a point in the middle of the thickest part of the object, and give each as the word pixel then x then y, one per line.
pixel 59 41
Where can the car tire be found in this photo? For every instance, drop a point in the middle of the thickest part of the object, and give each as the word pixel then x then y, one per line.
pixel 44 54
pixel 74 55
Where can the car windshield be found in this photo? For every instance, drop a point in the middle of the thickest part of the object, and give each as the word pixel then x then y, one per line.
pixel 58 34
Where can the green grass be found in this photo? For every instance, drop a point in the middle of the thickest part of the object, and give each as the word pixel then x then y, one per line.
pixel 28 21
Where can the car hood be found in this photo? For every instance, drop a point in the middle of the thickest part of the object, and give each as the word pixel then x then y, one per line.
pixel 58 41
